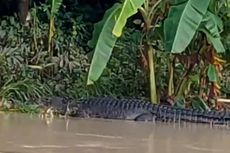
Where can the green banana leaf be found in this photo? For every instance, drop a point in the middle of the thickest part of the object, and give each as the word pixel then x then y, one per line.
pixel 182 23
pixel 104 41
pixel 106 33
pixel 212 26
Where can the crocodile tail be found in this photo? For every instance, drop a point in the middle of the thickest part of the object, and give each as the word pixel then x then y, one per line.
pixel 168 113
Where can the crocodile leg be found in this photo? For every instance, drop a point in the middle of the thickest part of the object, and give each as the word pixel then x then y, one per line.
pixel 145 117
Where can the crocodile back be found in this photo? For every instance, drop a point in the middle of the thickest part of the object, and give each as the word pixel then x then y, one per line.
pixel 108 107
pixel 134 109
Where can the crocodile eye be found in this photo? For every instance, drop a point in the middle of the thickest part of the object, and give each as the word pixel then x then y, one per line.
pixel 44 101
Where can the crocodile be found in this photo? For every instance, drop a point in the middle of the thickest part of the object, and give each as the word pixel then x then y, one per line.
pixel 131 109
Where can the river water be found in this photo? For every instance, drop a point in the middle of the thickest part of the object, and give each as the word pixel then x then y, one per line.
pixel 23 133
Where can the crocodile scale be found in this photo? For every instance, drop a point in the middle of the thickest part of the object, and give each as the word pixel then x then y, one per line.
pixel 133 109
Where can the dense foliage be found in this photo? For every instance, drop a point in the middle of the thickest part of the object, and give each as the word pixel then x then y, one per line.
pixel 189 30
pixel 57 51
pixel 28 72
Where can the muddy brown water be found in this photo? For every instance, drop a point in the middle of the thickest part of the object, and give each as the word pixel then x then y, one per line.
pixel 23 133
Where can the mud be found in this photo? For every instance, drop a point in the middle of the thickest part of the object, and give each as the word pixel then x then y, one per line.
pixel 23 133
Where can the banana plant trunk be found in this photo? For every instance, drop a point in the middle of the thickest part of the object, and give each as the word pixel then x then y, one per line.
pixel 152 78
pixel 171 73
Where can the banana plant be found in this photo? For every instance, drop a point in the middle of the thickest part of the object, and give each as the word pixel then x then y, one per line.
pixel 186 18
pixel 106 33
pixel 110 28
pixel 55 5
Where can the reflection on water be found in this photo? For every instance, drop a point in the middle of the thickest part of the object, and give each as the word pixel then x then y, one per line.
pixel 23 133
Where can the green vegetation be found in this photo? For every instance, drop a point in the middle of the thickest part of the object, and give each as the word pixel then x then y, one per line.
pixel 139 48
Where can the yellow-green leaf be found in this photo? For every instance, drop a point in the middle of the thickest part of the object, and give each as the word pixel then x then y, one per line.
pixel 129 8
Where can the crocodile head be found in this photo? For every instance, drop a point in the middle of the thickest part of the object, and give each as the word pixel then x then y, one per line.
pixel 57 105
